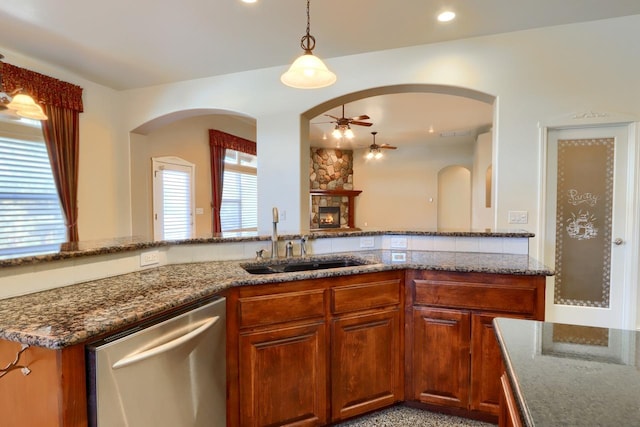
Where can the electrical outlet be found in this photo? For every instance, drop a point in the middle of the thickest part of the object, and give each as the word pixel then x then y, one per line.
pixel 398 242
pixel 518 217
pixel 367 242
pixel 149 258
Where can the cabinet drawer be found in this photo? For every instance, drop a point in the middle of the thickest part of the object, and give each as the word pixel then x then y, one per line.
pixel 278 308
pixel 365 296
pixel 476 296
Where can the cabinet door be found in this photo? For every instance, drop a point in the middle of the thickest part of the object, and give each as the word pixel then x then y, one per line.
pixel 283 376
pixel 440 356
pixel 486 364
pixel 366 364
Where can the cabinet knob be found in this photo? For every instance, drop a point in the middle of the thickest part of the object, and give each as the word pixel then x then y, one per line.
pixel 618 241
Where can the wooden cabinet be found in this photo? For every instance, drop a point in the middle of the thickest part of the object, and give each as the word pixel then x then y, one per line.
pixel 316 351
pixel 509 414
pixel 454 358
pixel 366 356
pixel 51 395
pixel 440 357
pixel 283 376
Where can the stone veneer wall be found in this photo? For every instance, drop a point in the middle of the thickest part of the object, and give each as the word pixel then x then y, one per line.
pixel 330 169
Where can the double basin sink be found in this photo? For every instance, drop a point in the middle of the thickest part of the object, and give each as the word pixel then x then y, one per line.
pixel 294 265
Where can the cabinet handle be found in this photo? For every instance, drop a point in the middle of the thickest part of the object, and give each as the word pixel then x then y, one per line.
pixel 14 365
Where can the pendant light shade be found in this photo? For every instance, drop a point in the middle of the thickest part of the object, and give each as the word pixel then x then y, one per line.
pixel 25 106
pixel 308 71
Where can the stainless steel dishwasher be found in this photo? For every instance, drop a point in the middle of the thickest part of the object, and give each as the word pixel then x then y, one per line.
pixel 171 372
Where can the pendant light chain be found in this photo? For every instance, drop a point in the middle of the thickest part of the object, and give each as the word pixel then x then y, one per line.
pixel 308 42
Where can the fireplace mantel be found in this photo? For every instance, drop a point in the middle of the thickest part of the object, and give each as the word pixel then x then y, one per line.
pixel 351 194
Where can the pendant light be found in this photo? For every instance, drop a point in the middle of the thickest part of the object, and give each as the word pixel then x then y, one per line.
pixel 308 71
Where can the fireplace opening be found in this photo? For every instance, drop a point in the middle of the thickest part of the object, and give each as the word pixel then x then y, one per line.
pixel 329 217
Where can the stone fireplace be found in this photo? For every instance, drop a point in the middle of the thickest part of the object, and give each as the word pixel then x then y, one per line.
pixel 331 184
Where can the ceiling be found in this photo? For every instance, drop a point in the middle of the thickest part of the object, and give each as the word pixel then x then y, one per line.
pixel 126 44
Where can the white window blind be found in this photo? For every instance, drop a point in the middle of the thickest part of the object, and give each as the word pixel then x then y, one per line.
pixel 239 210
pixel 31 219
pixel 176 204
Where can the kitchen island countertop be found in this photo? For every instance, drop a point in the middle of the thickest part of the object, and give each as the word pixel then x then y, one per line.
pixel 571 375
pixel 74 314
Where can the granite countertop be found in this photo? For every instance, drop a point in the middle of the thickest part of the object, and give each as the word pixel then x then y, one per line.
pixel 73 314
pixel 572 375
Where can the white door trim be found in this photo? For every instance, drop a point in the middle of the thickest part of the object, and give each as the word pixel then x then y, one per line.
pixel 590 119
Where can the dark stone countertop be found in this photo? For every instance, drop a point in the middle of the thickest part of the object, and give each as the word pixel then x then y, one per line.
pixel 73 314
pixel 566 375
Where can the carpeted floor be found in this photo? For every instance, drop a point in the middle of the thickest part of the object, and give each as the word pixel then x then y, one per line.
pixel 398 416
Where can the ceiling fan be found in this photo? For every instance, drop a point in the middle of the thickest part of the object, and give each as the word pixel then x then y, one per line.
pixel 375 149
pixel 343 124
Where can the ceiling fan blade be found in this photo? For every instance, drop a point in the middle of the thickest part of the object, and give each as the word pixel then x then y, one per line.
pixel 333 117
pixel 389 147
pixel 363 117
pixel 358 123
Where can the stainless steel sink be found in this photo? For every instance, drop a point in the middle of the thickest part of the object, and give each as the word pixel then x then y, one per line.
pixel 289 266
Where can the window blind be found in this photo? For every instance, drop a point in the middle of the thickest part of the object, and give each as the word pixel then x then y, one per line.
pixel 239 210
pixel 31 220
pixel 176 204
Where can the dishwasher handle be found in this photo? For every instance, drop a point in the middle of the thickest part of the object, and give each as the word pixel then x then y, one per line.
pixel 137 357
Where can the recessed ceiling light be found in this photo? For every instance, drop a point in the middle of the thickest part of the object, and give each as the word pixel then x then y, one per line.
pixel 249 1
pixel 446 16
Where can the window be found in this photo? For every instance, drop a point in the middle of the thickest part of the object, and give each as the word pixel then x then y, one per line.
pixel 31 219
pixel 173 200
pixel 239 210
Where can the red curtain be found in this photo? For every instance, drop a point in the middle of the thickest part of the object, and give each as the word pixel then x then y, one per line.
pixel 62 138
pixel 218 143
pixel 62 104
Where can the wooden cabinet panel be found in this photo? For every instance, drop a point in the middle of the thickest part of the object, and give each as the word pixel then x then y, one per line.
pixel 364 296
pixel 440 356
pixel 486 365
pixel 283 376
pixel 366 363
pixel 478 296
pixel 52 395
pixel 285 307
pixel 509 415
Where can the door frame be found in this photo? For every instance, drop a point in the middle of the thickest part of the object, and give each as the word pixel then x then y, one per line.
pixel 588 119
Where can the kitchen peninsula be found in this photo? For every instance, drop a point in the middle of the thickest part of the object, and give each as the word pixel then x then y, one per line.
pixel 57 322
pixel 570 375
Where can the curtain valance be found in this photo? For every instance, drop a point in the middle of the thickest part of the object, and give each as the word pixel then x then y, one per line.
pixel 44 89
pixel 226 140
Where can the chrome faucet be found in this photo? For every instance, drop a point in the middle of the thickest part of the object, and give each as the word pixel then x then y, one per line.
pixel 274 235
pixel 303 246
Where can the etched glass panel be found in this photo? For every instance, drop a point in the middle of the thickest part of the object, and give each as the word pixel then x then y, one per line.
pixel 583 222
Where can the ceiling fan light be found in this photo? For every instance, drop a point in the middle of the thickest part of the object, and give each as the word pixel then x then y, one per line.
pixel 336 133
pixel 308 72
pixel 378 155
pixel 369 155
pixel 348 133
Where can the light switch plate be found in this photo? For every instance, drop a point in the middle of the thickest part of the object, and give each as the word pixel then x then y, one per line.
pixel 518 217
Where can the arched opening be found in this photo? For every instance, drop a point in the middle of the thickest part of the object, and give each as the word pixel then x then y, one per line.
pixel 181 134
pixel 450 126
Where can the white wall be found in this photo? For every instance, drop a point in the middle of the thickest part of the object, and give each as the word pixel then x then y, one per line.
pixel 400 191
pixel 536 75
pixel 481 215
